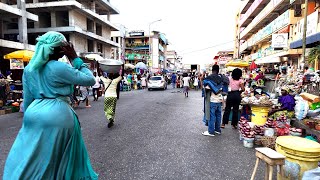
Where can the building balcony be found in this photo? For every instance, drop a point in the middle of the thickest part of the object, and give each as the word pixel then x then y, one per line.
pixel 269 13
pixel 68 29
pixel 66 5
pixel 137 46
pixel 252 12
pixel 245 5
pixel 16 45
pixel 265 34
pixel 8 11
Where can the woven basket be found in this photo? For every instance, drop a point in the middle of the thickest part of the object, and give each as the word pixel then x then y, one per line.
pixel 269 141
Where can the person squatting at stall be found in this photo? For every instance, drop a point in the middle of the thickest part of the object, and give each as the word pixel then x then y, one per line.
pixel 110 96
pixel 50 145
pixel 287 104
pixel 213 101
pixel 233 98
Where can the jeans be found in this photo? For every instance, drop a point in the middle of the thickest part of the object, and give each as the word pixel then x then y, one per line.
pixel 173 85
pixel 215 118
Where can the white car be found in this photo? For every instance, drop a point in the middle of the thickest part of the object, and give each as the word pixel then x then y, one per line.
pixel 157 82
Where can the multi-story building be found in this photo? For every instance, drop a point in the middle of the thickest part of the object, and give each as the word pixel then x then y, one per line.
pixel 138 49
pixel 173 61
pixel 86 24
pixel 263 32
pixel 119 38
pixel 14 16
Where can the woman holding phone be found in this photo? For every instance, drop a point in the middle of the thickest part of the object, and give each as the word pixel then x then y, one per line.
pixel 50 145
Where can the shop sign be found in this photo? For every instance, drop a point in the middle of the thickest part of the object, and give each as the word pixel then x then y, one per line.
pixel 312 23
pixel 223 60
pixel 136 33
pixel 255 56
pixel 281 21
pixel 279 40
pixel 16 64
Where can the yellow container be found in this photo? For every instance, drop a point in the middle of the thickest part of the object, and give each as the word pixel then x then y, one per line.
pixel 301 155
pixel 259 115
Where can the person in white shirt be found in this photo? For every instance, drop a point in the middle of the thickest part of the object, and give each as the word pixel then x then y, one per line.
pixel 96 87
pixel 110 96
pixel 186 85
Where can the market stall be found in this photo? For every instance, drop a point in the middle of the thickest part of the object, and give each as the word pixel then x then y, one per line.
pixel 286 119
pixel 11 87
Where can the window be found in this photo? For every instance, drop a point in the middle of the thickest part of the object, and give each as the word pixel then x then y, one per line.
pixel 62 18
pixel 100 47
pixel 44 19
pixel 117 39
pixel 99 29
pixel 90 25
pixel 90 45
pixel 156 78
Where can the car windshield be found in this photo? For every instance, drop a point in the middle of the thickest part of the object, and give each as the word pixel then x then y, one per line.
pixel 155 78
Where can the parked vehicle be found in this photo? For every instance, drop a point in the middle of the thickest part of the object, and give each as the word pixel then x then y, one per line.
pixel 157 82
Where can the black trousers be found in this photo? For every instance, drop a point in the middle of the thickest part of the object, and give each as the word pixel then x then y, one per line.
pixel 95 92
pixel 233 101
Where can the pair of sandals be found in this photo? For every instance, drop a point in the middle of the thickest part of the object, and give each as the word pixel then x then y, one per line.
pixel 233 126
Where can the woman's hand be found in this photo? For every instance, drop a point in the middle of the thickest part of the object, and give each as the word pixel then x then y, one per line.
pixel 69 51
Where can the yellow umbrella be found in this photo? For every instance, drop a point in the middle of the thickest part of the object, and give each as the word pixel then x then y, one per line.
pixel 25 55
pixel 237 64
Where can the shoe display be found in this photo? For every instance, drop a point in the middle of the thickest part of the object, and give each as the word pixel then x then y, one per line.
pixel 206 133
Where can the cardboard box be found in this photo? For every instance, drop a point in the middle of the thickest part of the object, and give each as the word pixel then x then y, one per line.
pixel 2 112
pixel 8 111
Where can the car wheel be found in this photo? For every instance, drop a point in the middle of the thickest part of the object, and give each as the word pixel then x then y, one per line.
pixel 149 89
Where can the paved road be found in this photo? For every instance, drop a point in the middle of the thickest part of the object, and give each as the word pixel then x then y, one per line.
pixel 157 135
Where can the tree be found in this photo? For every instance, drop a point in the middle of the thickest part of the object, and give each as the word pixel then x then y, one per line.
pixel 314 54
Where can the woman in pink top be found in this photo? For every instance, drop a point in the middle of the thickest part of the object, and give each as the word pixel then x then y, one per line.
pixel 234 98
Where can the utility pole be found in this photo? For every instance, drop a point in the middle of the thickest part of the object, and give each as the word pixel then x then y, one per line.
pixel 304 37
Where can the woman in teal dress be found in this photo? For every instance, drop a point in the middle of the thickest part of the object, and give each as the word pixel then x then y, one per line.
pixel 50 145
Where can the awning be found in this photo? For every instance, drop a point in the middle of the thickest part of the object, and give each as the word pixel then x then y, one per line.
pixel 311 39
pixel 24 55
pixel 275 58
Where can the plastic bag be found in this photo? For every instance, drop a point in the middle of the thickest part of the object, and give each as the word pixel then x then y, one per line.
pixel 301 108
pixel 313 174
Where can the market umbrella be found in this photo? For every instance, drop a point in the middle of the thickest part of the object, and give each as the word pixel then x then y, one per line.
pixel 96 57
pixel 24 55
pixel 253 66
pixel 128 66
pixel 141 65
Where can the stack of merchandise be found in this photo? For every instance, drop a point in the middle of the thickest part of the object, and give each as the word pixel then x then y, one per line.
pixel 259 133
pixel 245 128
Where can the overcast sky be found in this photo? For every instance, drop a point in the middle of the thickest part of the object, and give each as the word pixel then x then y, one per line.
pixel 188 24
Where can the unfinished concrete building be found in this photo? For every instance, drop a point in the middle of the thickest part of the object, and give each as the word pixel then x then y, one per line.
pixel 84 23
pixel 13 15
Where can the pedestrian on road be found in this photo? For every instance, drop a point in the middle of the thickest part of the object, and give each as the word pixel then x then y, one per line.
pixel 196 83
pixel 49 145
pixel 213 93
pixel 110 96
pixel 233 98
pixel 84 96
pixel 96 87
pixel 143 82
pixel 186 85
pixel 174 80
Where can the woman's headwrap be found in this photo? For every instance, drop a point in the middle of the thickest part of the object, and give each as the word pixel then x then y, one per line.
pixel 44 47
pixel 286 88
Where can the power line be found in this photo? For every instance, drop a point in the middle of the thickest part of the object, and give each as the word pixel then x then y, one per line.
pixel 208 47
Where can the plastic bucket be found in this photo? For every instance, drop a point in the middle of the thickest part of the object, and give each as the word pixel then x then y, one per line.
pixel 240 136
pixel 248 142
pixel 301 155
pixel 259 115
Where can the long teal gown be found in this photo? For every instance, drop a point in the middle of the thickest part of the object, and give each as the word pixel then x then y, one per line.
pixel 50 145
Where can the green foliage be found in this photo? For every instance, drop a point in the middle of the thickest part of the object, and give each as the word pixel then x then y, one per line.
pixel 314 54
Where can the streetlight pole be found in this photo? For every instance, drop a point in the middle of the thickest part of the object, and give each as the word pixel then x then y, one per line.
pixel 150 41
pixel 304 37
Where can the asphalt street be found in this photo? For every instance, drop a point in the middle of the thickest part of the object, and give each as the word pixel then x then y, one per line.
pixel 157 135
